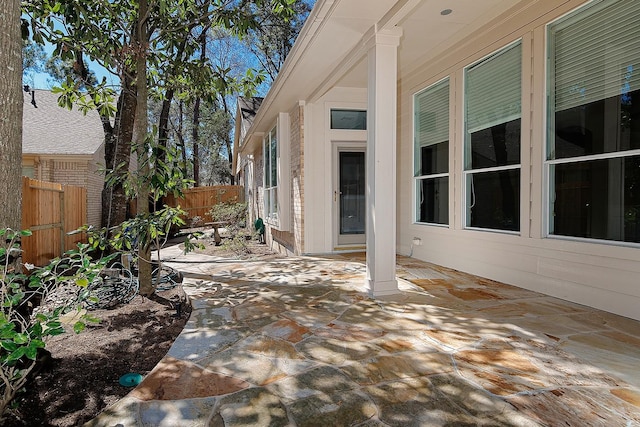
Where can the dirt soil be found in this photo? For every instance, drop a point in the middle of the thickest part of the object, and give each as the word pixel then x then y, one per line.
pixel 82 377
pixel 251 249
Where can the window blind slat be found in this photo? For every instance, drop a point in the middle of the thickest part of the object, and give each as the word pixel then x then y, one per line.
pixel 493 89
pixel 432 115
pixel 597 57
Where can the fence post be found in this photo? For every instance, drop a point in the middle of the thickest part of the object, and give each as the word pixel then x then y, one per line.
pixel 62 239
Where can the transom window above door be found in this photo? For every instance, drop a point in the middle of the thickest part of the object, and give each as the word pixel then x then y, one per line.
pixel 344 119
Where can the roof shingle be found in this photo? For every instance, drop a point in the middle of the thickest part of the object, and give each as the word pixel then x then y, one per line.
pixel 51 129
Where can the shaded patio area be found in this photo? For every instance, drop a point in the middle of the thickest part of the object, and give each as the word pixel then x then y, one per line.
pixel 296 341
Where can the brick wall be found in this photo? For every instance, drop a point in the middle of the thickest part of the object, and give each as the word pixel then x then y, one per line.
pixel 291 241
pixel 283 241
pixel 297 176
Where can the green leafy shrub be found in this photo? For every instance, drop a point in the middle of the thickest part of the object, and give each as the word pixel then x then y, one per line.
pixel 149 231
pixel 24 323
pixel 233 213
pixel 234 217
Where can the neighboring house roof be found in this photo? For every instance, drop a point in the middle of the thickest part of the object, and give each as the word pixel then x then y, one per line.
pixel 248 108
pixel 245 114
pixel 51 129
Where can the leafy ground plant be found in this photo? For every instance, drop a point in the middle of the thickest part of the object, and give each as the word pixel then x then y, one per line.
pixel 150 230
pixel 24 327
pixel 234 217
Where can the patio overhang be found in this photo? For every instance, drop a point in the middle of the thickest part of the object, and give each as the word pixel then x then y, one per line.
pixel 373 46
pixel 331 49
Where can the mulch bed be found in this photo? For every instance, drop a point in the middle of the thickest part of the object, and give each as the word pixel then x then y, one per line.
pixel 81 378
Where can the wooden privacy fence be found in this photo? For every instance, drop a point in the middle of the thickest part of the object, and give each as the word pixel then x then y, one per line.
pixel 51 210
pixel 198 201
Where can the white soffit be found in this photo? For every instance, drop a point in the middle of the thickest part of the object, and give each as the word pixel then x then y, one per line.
pixel 335 30
pixel 332 29
pixel 340 30
pixel 427 32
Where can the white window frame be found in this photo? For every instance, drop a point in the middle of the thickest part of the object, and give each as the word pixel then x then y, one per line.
pixel 270 190
pixel 277 198
pixel 417 179
pixel 549 157
pixel 347 110
pixel 467 172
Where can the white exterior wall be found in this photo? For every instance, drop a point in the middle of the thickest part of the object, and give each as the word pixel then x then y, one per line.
pixel 604 275
pixel 319 170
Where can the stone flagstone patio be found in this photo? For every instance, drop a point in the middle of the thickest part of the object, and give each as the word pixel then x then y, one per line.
pixel 297 342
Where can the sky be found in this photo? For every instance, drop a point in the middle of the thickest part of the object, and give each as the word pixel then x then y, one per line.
pixel 43 80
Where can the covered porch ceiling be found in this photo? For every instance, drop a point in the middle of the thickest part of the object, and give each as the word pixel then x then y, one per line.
pixel 330 49
pixel 430 28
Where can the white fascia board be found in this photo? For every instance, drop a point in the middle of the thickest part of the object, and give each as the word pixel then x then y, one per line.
pixel 313 25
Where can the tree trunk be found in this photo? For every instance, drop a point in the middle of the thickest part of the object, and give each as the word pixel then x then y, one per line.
pixel 11 101
pixel 163 124
pixel 232 176
pixel 228 144
pixel 183 145
pixel 117 143
pixel 195 136
pixel 142 123
pixel 117 151
pixel 196 117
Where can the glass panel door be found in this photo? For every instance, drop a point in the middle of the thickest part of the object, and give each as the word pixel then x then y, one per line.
pixel 352 197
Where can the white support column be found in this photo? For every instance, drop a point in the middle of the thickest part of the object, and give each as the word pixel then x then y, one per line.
pixel 381 162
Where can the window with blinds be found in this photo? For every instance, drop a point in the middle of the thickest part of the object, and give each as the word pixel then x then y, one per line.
pixel 593 138
pixel 493 94
pixel 493 89
pixel 596 56
pixel 431 153
pixel 270 153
